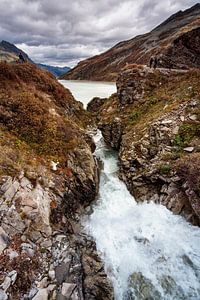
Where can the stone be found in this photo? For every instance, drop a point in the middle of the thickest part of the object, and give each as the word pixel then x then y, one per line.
pixel 46 244
pixel 52 274
pixel 3 295
pixel 166 122
pixel 9 188
pixel 42 294
pixel 141 288
pixel 51 287
pixel 25 183
pixel 189 149
pixel 95 104
pixel 67 289
pixel 13 276
pixel 59 296
pixel 3 240
pixel 36 206
pixel 175 130
pixel 6 284
pixel 27 248
pixel 43 283
pixel 182 118
pixel 54 165
pixel 11 253
pixel 193 117
pixel 61 272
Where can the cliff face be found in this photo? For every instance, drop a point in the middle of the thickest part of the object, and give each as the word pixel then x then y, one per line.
pixel 48 175
pixel 154 123
pixel 176 41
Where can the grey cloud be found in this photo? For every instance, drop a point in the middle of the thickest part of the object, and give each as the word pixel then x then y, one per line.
pixel 64 32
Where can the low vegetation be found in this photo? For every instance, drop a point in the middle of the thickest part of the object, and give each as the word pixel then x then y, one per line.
pixel 39 119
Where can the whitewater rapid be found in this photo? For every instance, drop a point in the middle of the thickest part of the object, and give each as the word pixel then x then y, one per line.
pixel 161 249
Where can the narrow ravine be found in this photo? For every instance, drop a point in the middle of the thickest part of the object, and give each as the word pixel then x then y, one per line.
pixel 148 252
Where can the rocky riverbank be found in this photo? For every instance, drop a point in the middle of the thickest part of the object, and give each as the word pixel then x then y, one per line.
pixel 153 121
pixel 48 176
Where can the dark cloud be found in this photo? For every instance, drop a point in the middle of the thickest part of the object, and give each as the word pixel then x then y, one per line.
pixel 63 32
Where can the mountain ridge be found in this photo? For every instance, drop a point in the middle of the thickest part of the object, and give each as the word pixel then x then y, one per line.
pixel 9 52
pixel 174 39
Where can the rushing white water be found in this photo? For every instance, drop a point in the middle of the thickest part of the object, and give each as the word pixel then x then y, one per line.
pixel 85 91
pixel 142 239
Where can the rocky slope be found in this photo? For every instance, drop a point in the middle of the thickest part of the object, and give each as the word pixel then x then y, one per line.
pixel 154 123
pixel 176 41
pixel 48 176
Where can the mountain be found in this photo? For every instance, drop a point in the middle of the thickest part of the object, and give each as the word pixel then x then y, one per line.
pixel 177 40
pixel 56 71
pixel 9 52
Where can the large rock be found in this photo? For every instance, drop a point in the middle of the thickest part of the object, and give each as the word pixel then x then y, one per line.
pixel 112 132
pixel 96 284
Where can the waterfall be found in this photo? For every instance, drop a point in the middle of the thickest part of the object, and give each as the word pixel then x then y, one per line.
pixel 148 252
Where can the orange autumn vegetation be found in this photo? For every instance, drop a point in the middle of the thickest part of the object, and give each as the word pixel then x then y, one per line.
pixel 38 116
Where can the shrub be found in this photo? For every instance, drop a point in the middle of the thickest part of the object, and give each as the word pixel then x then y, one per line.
pixel 165 169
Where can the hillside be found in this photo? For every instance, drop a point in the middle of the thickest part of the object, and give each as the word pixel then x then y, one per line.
pixel 177 41
pixel 48 175
pixel 154 123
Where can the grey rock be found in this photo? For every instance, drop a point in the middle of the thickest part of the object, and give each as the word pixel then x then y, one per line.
pixel 3 295
pixel 25 183
pixel 3 240
pixel 11 253
pixel 175 130
pixel 42 294
pixel 51 287
pixel 13 276
pixel 43 283
pixel 59 296
pixel 189 149
pixel 52 274
pixel 6 284
pixel 67 289
pixel 166 122
pixel 193 117
pixel 10 187
pixel 142 288
pixel 61 272
pixel 46 244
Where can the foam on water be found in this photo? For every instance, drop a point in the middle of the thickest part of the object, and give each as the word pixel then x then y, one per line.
pixel 142 238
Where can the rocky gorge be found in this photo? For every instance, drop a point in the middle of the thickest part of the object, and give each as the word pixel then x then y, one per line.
pixel 153 121
pixel 51 176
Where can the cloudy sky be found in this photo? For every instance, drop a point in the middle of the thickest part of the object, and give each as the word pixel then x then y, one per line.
pixel 63 32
